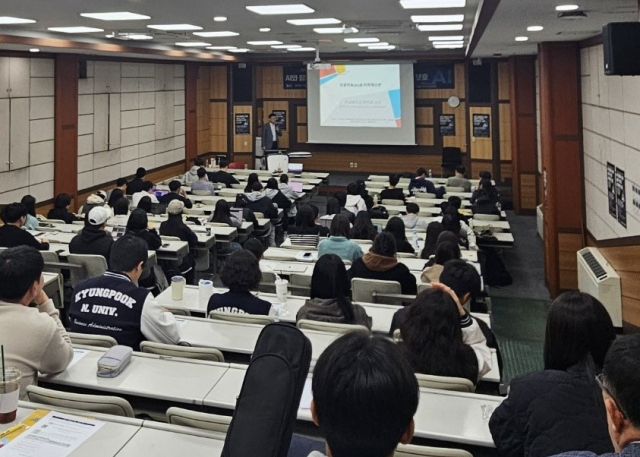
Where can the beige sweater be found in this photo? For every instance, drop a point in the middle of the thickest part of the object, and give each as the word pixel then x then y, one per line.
pixel 34 340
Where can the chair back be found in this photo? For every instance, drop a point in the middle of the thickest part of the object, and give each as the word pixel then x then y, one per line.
pixel 405 255
pixel 423 286
pixel 448 189
pixel 259 319
pixel 420 195
pixel 92 266
pixel 238 186
pixel 379 178
pixel 186 352
pixel 101 341
pixel 392 201
pixel 268 282
pixel 201 192
pixel 170 238
pixel 196 419
pixel 236 165
pixel 451 157
pixel 105 404
pixel 486 217
pixel 300 284
pixel 330 326
pixel 411 450
pixel 370 290
pixel 445 383
pixel 193 212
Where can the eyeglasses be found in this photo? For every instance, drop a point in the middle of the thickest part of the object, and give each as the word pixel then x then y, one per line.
pixel 600 381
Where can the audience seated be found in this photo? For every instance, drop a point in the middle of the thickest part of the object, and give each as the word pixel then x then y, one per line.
pixel 305 232
pixel 60 210
pixel 34 339
pixel 14 216
pixel 290 193
pixel 145 204
pixel 260 203
pixel 31 222
pixel 138 226
pixel 93 239
pixel 395 226
pixel 251 179
pixel 338 242
pixel 147 191
pixel 363 228
pixel 97 199
pixel 175 226
pixel 393 192
pixel 241 274
pixel 488 190
pixel 441 339
pixel 114 305
pixel 451 222
pixel 203 184
pixel 222 176
pixel 222 215
pixel 434 229
pixel 365 395
pixel 484 204
pixel 559 409
pixel 619 383
pixel 333 206
pixel 354 203
pixel 455 202
pixel 342 201
pixel 176 192
pixel 191 176
pixel 444 252
pixel 121 185
pixel 120 213
pixel 420 184
pixel 278 198
pixel 330 291
pixel 116 194
pixel 324 231
pixel 411 219
pixel 364 193
pixel 459 180
pixel 136 184
pixel 381 263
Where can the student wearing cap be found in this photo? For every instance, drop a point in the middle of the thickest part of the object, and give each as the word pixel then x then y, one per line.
pixel 99 198
pixel 93 239
pixel 177 193
pixel 175 226
pixel 135 185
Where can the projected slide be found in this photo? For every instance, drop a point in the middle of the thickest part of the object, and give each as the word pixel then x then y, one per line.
pixel 360 96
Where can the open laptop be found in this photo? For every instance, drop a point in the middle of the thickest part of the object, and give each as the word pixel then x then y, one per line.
pixel 297 186
pixel 160 193
pixel 237 213
pixel 295 168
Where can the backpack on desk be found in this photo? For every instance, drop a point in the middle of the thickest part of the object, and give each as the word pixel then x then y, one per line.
pixel 267 407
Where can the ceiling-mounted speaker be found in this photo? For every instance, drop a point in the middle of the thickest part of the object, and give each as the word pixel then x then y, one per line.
pixel 621 48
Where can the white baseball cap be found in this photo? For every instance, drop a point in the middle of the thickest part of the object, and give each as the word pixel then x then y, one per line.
pixel 98 216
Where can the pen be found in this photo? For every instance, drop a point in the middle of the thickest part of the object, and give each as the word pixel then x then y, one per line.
pixel 10 430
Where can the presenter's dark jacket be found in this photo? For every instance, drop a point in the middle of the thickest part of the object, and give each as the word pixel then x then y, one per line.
pixel 12 236
pixel 268 141
pixel 114 306
pixel 238 303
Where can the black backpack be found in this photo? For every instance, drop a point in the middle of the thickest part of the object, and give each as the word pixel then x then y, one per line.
pixel 267 407
pixel 379 212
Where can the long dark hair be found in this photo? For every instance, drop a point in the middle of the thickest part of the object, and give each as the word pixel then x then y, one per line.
pixel 447 251
pixel 333 206
pixel 116 194
pixel 253 177
pixel 62 201
pixel 395 226
pixel 434 229
pixel 330 281
pixel 340 226
pixel 305 217
pixel 145 204
pixel 222 213
pixel 363 228
pixel 138 221
pixel 29 202
pixel 579 328
pixel 432 337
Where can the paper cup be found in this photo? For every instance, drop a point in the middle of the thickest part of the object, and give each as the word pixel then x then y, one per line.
pixel 205 290
pixel 9 394
pixel 177 287
pixel 281 290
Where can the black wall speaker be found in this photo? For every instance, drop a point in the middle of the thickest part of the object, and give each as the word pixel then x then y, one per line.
pixel 82 69
pixel 621 48
pixel 242 83
pixel 479 82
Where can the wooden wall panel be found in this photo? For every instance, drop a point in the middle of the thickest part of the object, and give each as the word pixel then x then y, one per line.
pixel 301 113
pixel 504 82
pixel 460 139
pixel 424 136
pixel 481 148
pixel 568 245
pixel 459 90
pixel 270 84
pixel 506 171
pixel 218 84
pixel 505 131
pixel 268 107
pixel 528 191
pixel 218 117
pixel 243 143
pixel 302 134
pixel 424 115
pixel 203 109
pixel 480 165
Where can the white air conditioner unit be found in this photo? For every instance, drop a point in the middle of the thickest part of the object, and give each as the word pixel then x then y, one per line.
pixel 596 277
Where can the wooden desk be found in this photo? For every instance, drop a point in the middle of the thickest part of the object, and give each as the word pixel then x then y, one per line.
pixel 165 440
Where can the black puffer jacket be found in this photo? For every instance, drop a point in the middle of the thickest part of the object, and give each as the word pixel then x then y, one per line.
pixel 550 412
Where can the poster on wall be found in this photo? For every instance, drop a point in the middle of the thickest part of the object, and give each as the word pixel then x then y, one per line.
pixel 621 197
pixel 242 124
pixel 281 119
pixel 635 200
pixel 447 125
pixel 481 126
pixel 427 75
pixel 611 190
pixel 294 77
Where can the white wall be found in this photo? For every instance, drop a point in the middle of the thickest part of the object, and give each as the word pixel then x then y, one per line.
pixel 32 125
pixel 611 130
pixel 129 115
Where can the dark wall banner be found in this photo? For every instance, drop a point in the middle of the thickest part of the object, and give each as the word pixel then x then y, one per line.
pixel 281 119
pixel 242 124
pixel 447 125
pixel 611 190
pixel 294 77
pixel 481 126
pixel 621 197
pixel 429 75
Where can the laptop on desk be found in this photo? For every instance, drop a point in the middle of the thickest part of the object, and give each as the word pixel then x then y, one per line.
pixel 297 186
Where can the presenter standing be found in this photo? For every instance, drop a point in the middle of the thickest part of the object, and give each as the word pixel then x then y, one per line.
pixel 270 134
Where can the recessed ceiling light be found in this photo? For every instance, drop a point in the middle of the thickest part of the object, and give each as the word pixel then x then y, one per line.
pixel 296 8
pixel 221 48
pixel 415 4
pixel 447 43
pixel 318 21
pixel 193 44
pixel 239 50
pixel 8 20
pixel 75 29
pixel 448 46
pixel 286 46
pixel 569 7
pixel 522 38
pixel 117 16
pixel 326 30
pixel 361 40
pixel 535 28
pixel 34 50
pixel 446 38
pixel 265 29
pixel 138 36
pixel 175 27
pixel 381 48
pixel 220 18
pixel 215 34
pixel 307 49
pixel 439 18
pixel 366 45
pixel 438 27
pixel 264 43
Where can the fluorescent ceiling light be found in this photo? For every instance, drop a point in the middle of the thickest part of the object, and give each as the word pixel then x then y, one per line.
pixel 522 38
pixel 439 27
pixel 535 28
pixel 449 46
pixel 361 40
pixel 446 38
pixel 8 20
pixel 416 4
pixel 175 27
pixel 136 36
pixel 117 16
pixel 216 34
pixel 439 43
pixel 264 43
pixel 34 50
pixel 286 46
pixel 307 49
pixel 570 7
pixel 265 29
pixel 193 44
pixel 221 48
pixel 318 21
pixel 220 18
pixel 326 30
pixel 366 45
pixel 382 48
pixel 239 50
pixel 75 29
pixel 296 8
pixel 380 45
pixel 439 18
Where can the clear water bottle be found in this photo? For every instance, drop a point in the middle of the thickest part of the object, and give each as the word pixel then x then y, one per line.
pixel 430 174
pixel 414 239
